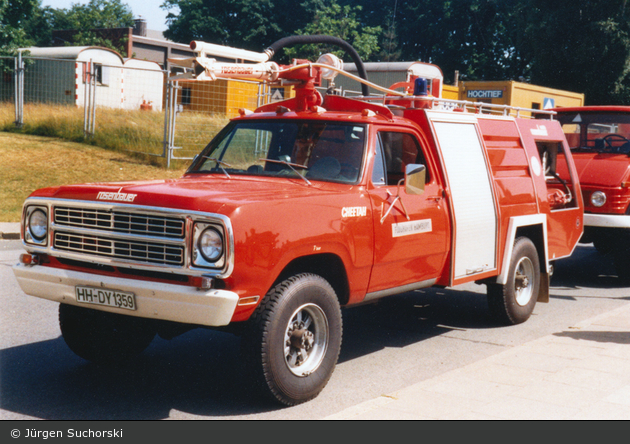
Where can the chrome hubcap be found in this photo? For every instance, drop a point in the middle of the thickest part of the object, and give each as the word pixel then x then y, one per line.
pixel 523 280
pixel 306 340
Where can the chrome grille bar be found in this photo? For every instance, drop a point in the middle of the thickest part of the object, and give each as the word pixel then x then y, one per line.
pixel 120 222
pixel 152 252
pixel 124 235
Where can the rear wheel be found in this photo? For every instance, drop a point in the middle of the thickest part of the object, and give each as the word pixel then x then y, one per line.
pixel 621 259
pixel 605 242
pixel 294 339
pixel 102 337
pixel 513 303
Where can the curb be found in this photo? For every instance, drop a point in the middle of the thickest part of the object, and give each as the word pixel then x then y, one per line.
pixel 9 231
pixel 9 236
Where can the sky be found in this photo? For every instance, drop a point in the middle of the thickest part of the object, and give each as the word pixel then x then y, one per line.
pixel 147 9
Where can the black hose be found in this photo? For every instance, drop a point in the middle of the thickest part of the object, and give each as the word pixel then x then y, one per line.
pixel 326 39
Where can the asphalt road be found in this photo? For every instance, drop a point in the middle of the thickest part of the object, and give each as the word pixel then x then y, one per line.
pixel 387 346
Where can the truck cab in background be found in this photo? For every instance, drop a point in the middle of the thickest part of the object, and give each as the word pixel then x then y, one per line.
pixel 599 138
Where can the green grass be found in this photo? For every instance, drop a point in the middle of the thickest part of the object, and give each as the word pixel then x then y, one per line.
pixel 51 149
pixel 30 162
pixel 137 132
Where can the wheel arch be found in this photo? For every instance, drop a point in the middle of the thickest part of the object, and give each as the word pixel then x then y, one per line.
pixel 327 265
pixel 534 227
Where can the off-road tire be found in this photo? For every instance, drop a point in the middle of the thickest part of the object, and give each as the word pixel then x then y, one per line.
pixel 621 258
pixel 102 337
pixel 273 330
pixel 604 246
pixel 513 303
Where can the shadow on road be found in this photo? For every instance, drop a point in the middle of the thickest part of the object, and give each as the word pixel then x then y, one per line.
pixel 616 337
pixel 201 372
pixel 586 268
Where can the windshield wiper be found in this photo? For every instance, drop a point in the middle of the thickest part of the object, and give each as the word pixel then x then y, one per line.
pixel 220 164
pixel 290 165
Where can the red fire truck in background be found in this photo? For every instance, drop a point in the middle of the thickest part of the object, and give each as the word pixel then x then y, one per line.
pixel 599 138
pixel 300 208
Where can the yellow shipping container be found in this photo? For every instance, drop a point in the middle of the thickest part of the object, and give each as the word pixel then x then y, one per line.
pixel 518 94
pixel 450 92
pixel 225 97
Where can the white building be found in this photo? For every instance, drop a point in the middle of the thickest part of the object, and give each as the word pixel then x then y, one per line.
pixel 143 85
pixel 387 74
pixel 60 74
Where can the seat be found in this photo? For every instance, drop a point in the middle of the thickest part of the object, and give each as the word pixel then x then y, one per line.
pixel 325 168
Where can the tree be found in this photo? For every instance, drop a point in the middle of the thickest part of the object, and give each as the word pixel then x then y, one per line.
pixel 389 47
pixel 476 37
pixel 338 21
pixel 582 46
pixel 13 16
pixel 246 24
pixel 94 15
pixel 85 19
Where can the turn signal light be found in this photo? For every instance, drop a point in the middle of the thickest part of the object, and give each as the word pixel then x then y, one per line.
pixel 248 300
pixel 29 259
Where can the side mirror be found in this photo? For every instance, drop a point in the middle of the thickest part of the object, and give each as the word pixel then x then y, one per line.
pixel 415 177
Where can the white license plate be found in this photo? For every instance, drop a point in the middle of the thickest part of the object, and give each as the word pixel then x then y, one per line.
pixel 104 296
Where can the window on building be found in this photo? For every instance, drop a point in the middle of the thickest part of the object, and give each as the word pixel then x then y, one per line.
pixel 102 74
pixel 186 96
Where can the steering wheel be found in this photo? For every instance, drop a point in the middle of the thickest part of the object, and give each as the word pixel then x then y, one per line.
pixel 350 171
pixel 615 149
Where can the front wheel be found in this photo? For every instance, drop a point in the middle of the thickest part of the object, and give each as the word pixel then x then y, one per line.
pixel 103 337
pixel 294 339
pixel 513 303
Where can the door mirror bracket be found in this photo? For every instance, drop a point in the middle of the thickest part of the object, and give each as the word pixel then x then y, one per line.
pixel 415 175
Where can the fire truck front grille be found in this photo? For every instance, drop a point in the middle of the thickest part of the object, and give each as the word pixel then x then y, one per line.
pixel 151 252
pixel 120 222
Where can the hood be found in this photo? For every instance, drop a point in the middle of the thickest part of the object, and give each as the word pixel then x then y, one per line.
pixel 207 193
pixel 601 169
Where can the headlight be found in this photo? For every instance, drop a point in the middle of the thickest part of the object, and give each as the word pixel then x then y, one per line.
pixel 598 198
pixel 36 225
pixel 210 245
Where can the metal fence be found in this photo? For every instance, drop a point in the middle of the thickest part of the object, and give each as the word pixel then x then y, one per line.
pixel 9 93
pixel 132 106
pixel 197 110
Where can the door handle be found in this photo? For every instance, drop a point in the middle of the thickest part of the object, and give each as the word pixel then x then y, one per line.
pixel 437 198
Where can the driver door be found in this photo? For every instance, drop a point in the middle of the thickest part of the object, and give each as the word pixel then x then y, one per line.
pixel 407 251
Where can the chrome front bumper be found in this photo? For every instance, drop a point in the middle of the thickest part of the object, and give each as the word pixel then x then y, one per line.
pixel 606 220
pixel 154 300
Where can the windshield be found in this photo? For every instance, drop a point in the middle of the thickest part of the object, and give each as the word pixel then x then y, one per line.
pixel 314 150
pixel 597 131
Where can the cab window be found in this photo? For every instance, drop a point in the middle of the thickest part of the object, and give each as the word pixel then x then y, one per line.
pixel 394 151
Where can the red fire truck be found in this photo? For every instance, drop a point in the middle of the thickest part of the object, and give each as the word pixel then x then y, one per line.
pixel 300 208
pixel 599 138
